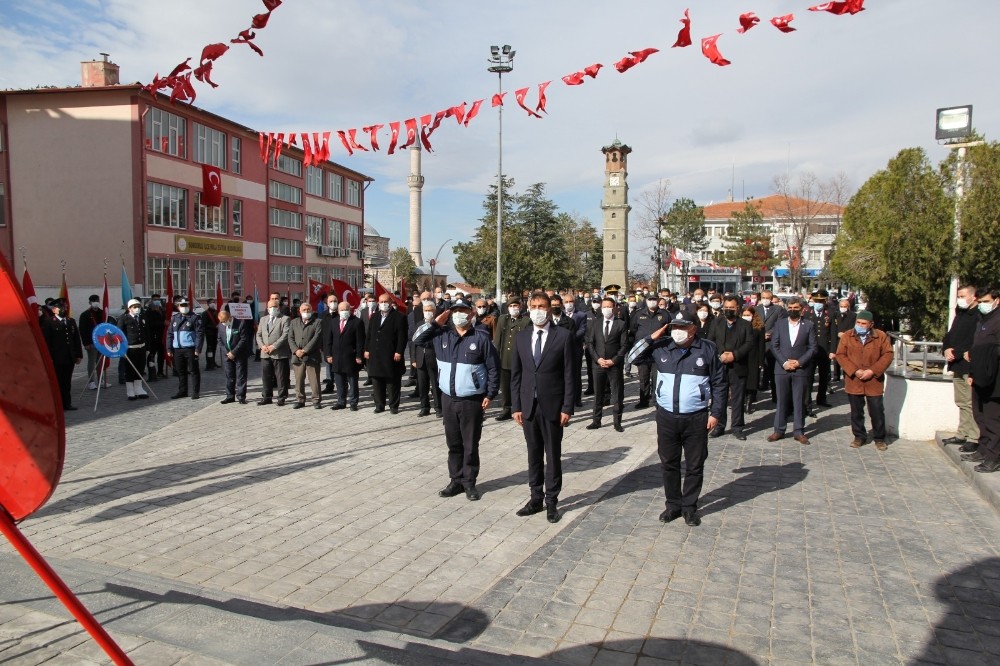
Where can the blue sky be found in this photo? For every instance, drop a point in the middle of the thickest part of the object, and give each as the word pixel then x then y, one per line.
pixel 842 94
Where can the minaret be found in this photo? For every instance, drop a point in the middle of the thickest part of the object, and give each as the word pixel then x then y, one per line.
pixel 615 208
pixel 416 183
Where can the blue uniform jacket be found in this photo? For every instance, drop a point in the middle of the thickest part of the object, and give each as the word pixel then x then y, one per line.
pixel 185 332
pixel 468 365
pixel 687 378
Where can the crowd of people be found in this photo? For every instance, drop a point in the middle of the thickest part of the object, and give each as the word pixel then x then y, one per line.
pixel 703 360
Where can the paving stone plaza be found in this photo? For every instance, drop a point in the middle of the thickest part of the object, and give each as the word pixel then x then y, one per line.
pixel 202 533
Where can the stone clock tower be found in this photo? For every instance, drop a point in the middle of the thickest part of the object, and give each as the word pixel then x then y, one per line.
pixel 615 208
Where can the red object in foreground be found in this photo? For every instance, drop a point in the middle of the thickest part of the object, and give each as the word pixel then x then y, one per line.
pixel 33 441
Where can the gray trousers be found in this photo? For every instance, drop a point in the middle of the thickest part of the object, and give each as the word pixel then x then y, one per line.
pixel 967 427
pixel 312 372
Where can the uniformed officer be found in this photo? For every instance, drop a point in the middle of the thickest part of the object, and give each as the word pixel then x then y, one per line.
pixel 135 327
pixel 643 323
pixel 508 326
pixel 468 376
pixel 183 345
pixel 63 340
pixel 693 382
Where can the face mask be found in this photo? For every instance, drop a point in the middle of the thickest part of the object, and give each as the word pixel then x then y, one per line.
pixel 344 314
pixel 538 317
pixel 306 316
pixel 480 311
pixel 716 304
pixel 963 303
pixel 586 299
pixel 766 302
pixel 747 317
pixel 384 307
pixel 631 306
pixel 183 309
pixel 817 307
pixel 460 319
pixel 702 314
pixel 730 314
pixel 556 310
pixel 679 335
pixel 651 304
pixel 986 308
pixel 608 312
pixel 211 306
pixel 135 311
pixel 595 305
pixel 437 296
pixel 332 307
pixel 273 311
pixel 861 330
pixel 794 314
pixel 371 305
pixel 514 312
pixel 569 308
pixel 95 306
pixel 843 310
pixel 428 316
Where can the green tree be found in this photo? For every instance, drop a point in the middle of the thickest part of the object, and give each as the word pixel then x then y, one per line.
pixel 748 241
pixel 401 267
pixel 475 260
pixel 684 226
pixel 895 243
pixel 582 252
pixel 979 213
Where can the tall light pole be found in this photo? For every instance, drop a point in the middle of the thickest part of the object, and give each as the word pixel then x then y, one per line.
pixel 434 261
pixel 501 61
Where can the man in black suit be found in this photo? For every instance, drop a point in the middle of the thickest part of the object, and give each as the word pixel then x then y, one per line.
pixel 63 339
pixel 344 349
pixel 771 312
pixel 564 320
pixel 237 345
pixel 425 362
pixel 607 339
pixel 733 338
pixel 384 349
pixel 793 343
pixel 328 319
pixel 541 386
pixel 826 343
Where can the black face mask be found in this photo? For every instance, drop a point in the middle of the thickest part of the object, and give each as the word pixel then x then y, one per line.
pixel 794 314
pixel 730 314
pixel 557 311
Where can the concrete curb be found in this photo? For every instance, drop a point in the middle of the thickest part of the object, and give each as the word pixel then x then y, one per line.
pixel 986 485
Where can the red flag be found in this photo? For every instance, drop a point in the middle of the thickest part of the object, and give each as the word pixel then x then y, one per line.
pixel 307 157
pixel 379 290
pixel 782 22
pixel 343 140
pixel 393 136
pixel 541 96
pixel 592 70
pixel 191 294
pixel 710 48
pixel 279 145
pixel 574 79
pixel 271 5
pixel 352 138
pixel 684 36
pixel 324 147
pixel 373 134
pixel 458 112
pixel 28 287
pixel 260 20
pixel 168 312
pixel 497 99
pixel 747 21
pixel 211 185
pixel 426 128
pixel 213 52
pixel 316 293
pixel 840 8
pixel 64 295
pixel 640 56
pixel 204 74
pixel 247 37
pixel 218 293
pixel 346 292
pixel 519 95
pixel 625 64
pixel 411 132
pixel 473 112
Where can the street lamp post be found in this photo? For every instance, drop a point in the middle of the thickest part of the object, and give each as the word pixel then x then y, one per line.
pixel 501 61
pixel 434 261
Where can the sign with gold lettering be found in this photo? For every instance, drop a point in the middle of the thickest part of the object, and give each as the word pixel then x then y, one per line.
pixel 203 245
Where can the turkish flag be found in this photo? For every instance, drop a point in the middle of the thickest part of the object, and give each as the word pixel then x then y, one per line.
pixel 710 48
pixel 211 185
pixel 411 132
pixel 747 21
pixel 519 95
pixel 379 290
pixel 840 8
pixel 497 99
pixel 219 300
pixel 346 292
pixel 352 138
pixel 684 36
pixel 640 56
pixel 393 136
pixel 343 140
pixel 28 287
pixel 541 96
pixel 573 79
pixel 625 64
pixel 317 290
pixel 782 22
pixel 473 112
pixel 458 111
pixel 373 134
pixel 592 70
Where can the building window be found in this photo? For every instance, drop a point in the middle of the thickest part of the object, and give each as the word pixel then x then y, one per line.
pixel 335 233
pixel 237 217
pixel 236 154
pixel 166 206
pixel 317 273
pixel 285 192
pixel 314 230
pixel 237 276
pixel 314 181
pixel 289 165
pixel 353 237
pixel 210 218
pixel 205 277
pixel 3 208
pixel 165 132
pixel 157 275
pixel 353 193
pixel 283 273
pixel 285 218
pixel 336 273
pixel 355 277
pixel 209 146
pixel 336 187
pixel 815 256
pixel 286 247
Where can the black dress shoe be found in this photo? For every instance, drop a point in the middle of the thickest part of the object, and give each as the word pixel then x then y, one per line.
pixel 439 414
pixel 452 489
pixel 739 434
pixel 953 440
pixel 589 392
pixel 354 408
pixel 969 447
pixel 379 410
pixel 641 405
pixel 281 402
pixel 242 401
pixel 226 401
pixel 988 466
pixel 593 425
pixel 414 394
pixel 338 406
pixel 69 408
pixel 177 396
pixel 618 427
pixel 424 412
pixel 142 396
pixel 298 405
pixel 264 401
pixel 394 410
pixel 196 396
pixel 327 389
pixel 132 398
pixel 670 515
pixel 318 406
pixel 717 431
pixel 751 409
pixel 530 509
pixel 552 514
pixel 504 416
pixel 822 403
pixel 578 403
pixel 974 457
pixel 691 519
pixel 472 493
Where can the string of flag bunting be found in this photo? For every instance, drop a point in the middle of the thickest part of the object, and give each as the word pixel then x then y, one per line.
pixel 316 145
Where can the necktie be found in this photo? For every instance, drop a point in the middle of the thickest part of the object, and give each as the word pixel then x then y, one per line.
pixel 538 349
pixel 607 330
pixel 341 326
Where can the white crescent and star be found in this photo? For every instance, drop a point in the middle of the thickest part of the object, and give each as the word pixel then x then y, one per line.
pixel 215 180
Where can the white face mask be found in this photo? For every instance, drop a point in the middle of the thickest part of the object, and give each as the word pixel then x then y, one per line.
pixel 679 335
pixel 702 314
pixel 306 316
pixel 183 309
pixel 766 302
pixel 135 311
pixel 843 310
pixel 514 312
pixel 596 305
pixel 747 317
pixel 384 307
pixel 963 303
pixel 428 315
pixel 332 307
pixel 538 317
pixel 570 307
pixel 273 311
pixel 986 308
pixel 480 311
pixel 344 314
pixel 211 306
pixel 95 306
pixel 460 319
pixel 716 304
pixel 608 312
pixel 651 304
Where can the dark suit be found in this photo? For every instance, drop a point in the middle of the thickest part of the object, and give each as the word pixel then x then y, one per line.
pixel 735 337
pixel 826 342
pixel 63 339
pixel 611 346
pixel 771 315
pixel 238 341
pixel 541 394
pixel 425 362
pixel 386 337
pixel 346 348
pixel 792 386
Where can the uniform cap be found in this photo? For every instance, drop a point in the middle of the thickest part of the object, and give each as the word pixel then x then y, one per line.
pixel 461 303
pixel 183 301
pixel 134 301
pixel 681 321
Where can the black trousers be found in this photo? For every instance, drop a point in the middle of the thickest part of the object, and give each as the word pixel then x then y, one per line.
pixel 986 411
pixel 211 346
pixel 64 379
pixel 578 375
pixel 463 428
pixel 236 377
pixel 820 369
pixel 505 391
pixel 185 363
pixel 274 374
pixel 792 393
pixel 544 439
pixel 590 369
pixel 737 391
pixel 768 369
pixel 346 381
pixel 876 411
pixel 386 390
pixel 677 434
pixel 647 377
pixel 428 390
pixel 606 379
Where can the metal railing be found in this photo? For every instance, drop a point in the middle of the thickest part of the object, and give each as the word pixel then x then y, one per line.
pixel 918 358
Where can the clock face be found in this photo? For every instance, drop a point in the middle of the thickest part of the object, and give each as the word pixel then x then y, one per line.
pixel 613 181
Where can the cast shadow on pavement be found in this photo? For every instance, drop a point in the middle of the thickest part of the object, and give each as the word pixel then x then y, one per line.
pixel 758 481
pixel 572 461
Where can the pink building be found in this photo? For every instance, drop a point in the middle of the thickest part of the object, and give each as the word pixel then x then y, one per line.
pixel 106 170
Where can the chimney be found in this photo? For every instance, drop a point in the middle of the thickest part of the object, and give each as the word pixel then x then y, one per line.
pixel 99 72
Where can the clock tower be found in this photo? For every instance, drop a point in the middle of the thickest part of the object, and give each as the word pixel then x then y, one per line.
pixel 615 209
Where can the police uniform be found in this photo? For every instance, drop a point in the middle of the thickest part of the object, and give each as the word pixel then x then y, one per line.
pixel 690 382
pixel 468 372
pixel 184 340
pixel 63 340
pixel 643 324
pixel 136 332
